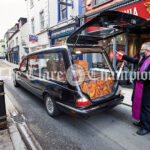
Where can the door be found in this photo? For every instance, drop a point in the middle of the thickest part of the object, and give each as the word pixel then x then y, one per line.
pixel 33 74
pixel 47 72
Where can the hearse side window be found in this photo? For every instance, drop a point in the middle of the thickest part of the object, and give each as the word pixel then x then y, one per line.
pixel 23 65
pixel 33 65
pixel 52 66
pixel 47 66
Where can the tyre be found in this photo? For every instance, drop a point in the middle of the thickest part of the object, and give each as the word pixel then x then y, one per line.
pixel 16 84
pixel 51 106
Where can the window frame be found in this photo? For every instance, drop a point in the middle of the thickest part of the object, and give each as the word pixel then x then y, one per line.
pixel 25 59
pixel 60 12
pixel 31 4
pixel 41 14
pixel 28 65
pixel 33 26
pixel 101 3
pixel 17 41
pixel 50 79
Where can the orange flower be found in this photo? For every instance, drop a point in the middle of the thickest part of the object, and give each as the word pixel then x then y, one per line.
pixel 147 4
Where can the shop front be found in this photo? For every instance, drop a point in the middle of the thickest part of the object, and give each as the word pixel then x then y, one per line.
pixel 129 43
pixel 59 36
pixel 14 55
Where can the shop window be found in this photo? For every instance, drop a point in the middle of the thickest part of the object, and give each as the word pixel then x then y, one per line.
pixel 120 45
pixel 60 41
pixel 23 65
pixel 99 2
pixel 32 25
pixel 42 21
pixel 62 10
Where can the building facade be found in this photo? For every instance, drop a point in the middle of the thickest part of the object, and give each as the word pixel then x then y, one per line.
pixel 129 43
pixel 18 42
pixel 64 20
pixel 7 35
pixel 38 19
pixel 51 22
pixel 2 48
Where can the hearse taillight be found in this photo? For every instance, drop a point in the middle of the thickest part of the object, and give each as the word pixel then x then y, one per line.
pixel 83 102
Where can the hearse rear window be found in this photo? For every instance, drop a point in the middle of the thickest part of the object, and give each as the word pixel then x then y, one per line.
pixel 96 77
pixel 47 65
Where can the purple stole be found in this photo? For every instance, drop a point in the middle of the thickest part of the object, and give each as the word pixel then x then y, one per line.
pixel 138 92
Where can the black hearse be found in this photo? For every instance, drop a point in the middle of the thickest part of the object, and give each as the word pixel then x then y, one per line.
pixel 63 77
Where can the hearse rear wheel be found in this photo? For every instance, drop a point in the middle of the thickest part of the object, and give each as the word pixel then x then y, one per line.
pixel 51 107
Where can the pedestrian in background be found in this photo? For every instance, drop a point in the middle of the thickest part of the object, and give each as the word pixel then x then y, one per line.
pixel 141 92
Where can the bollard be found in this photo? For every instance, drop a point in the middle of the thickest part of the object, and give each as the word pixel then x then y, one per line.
pixel 3 117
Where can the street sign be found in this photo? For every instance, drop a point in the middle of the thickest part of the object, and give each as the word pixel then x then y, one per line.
pixel 33 38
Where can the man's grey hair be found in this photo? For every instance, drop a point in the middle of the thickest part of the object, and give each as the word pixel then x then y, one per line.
pixel 146 45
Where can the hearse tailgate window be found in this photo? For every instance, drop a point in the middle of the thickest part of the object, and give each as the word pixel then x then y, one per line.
pixel 96 77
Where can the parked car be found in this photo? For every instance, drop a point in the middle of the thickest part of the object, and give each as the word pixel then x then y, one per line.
pixel 2 57
pixel 65 81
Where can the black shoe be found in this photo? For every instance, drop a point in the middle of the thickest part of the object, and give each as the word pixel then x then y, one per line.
pixel 142 132
pixel 138 124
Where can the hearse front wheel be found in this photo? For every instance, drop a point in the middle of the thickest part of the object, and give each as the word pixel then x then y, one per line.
pixel 51 107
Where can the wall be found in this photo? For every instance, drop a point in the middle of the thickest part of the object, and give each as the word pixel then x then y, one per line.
pixel 90 8
pixel 34 12
pixel 72 12
pixel 2 48
pixel 50 8
pixel 24 39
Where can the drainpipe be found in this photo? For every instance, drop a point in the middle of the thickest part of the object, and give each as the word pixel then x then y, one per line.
pixel 133 53
pixel 49 40
pixel 114 51
pixel 127 43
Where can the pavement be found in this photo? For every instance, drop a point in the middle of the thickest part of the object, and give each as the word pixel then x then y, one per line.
pixel 10 138
pixel 127 92
pixel 17 136
pixel 5 141
pixel 11 64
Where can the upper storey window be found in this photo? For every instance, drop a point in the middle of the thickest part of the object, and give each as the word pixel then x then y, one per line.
pixel 62 10
pixel 31 3
pixel 99 2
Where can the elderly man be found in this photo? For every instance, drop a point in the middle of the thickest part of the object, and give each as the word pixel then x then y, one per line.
pixel 141 92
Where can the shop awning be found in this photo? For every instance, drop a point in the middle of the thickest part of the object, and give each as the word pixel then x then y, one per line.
pixel 108 24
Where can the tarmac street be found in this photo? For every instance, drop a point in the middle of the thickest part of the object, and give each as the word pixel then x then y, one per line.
pixel 109 130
